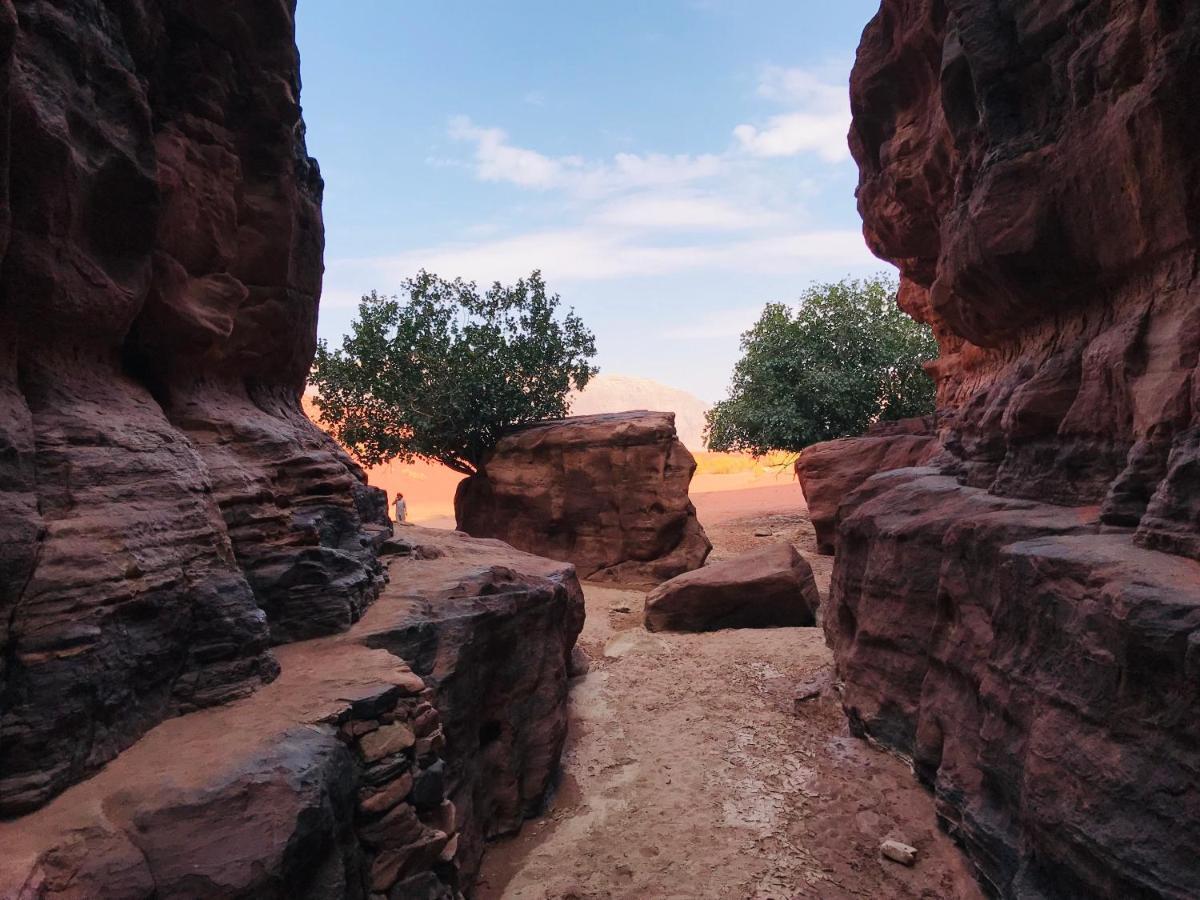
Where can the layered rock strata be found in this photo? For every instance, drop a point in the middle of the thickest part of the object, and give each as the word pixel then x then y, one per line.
pixel 829 471
pixel 608 493
pixel 768 588
pixel 351 775
pixel 166 511
pixel 1023 619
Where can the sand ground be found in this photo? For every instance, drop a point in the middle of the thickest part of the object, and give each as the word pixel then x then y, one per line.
pixel 692 772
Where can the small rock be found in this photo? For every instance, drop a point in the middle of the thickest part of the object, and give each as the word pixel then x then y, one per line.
pixel 425 722
pixel 380 773
pixel 763 532
pixel 898 852
pixel 386 799
pixel 430 786
pixel 810 689
pixel 580 664
pixel 386 741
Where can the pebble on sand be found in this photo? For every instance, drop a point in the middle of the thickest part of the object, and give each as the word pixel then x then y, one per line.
pixel 898 852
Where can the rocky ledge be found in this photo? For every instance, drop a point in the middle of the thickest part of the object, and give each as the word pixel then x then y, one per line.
pixel 356 772
pixel 1043 676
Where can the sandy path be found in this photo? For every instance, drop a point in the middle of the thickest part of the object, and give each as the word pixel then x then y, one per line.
pixel 692 773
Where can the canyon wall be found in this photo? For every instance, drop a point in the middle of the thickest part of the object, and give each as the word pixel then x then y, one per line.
pixel 829 471
pixel 1023 619
pixel 166 510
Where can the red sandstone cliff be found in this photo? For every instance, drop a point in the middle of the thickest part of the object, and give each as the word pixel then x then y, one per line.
pixel 166 510
pixel 1025 622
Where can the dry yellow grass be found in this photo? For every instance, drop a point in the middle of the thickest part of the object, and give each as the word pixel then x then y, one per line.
pixel 708 463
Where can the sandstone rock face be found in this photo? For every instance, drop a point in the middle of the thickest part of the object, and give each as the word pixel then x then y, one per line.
pixel 829 471
pixel 350 775
pixel 1023 620
pixel 1033 172
pixel 166 511
pixel 608 493
pixel 768 588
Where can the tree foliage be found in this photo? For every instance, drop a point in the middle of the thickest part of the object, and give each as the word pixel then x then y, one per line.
pixel 440 372
pixel 845 358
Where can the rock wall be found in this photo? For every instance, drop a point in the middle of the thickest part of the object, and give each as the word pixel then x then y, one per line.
pixel 166 511
pixel 1023 620
pixel 828 472
pixel 351 775
pixel 608 493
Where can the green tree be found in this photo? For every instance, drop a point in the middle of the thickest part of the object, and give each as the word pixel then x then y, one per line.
pixel 845 358
pixel 440 373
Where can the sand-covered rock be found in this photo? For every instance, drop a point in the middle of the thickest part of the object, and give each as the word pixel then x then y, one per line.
pixel 1010 619
pixel 608 493
pixel 768 588
pixel 829 471
pixel 351 774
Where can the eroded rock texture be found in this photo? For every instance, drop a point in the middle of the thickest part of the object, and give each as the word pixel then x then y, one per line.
pixel 350 775
pixel 166 511
pixel 1024 619
pixel 829 471
pixel 608 493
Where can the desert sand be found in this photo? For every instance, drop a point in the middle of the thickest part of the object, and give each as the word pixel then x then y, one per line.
pixel 692 771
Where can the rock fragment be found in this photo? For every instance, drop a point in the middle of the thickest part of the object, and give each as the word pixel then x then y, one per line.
pixel 898 852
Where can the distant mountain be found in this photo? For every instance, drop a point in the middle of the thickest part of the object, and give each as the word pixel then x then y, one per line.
pixel 619 393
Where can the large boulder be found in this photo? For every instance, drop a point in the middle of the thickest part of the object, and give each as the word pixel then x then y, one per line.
pixel 768 588
pixel 351 775
pixel 608 493
pixel 829 471
pixel 1023 620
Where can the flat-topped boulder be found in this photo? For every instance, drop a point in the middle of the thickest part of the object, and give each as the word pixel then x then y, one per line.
pixel 608 493
pixel 829 471
pixel 356 771
pixel 771 587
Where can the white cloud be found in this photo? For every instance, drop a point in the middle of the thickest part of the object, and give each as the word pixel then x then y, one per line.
pixel 803 87
pixel 497 159
pixel 687 213
pixel 817 120
pixel 794 133
pixel 591 253
pixel 718 324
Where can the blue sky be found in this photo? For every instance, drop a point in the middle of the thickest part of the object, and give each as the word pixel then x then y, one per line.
pixel 670 165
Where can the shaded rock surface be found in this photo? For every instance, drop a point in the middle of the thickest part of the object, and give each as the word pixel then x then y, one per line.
pixel 829 471
pixel 608 493
pixel 166 510
pixel 767 588
pixel 350 774
pixel 1032 169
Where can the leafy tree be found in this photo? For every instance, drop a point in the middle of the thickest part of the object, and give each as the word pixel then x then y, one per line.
pixel 440 373
pixel 847 357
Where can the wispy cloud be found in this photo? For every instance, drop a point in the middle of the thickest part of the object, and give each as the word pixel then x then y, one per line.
pixel 717 324
pixel 649 214
pixel 684 213
pixel 589 253
pixel 816 120
pixel 496 158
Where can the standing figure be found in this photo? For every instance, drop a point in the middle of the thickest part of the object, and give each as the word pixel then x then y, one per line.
pixel 401 508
